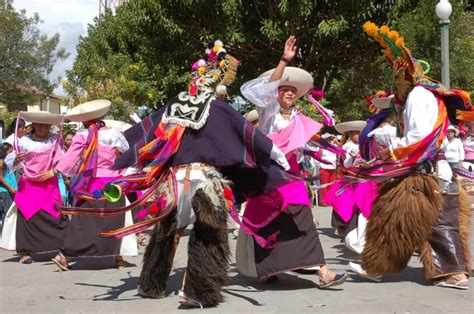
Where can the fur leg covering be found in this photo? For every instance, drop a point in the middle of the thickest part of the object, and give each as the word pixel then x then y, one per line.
pixel 401 222
pixel 158 259
pixel 208 249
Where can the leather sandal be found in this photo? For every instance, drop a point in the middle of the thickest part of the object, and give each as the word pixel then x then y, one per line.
pixel 61 263
pixel 339 279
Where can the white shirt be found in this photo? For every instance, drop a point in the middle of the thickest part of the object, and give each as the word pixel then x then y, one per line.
pixel 350 147
pixel 453 150
pixel 419 117
pixel 265 96
pixel 329 157
pixel 109 137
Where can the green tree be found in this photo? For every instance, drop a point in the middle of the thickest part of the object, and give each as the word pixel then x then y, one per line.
pixel 27 57
pixel 163 38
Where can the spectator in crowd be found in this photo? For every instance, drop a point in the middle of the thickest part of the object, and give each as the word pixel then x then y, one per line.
pixel 453 147
pixel 67 140
pixel 8 184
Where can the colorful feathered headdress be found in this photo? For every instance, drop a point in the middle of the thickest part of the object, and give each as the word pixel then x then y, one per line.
pixel 218 64
pixel 458 102
pixel 397 54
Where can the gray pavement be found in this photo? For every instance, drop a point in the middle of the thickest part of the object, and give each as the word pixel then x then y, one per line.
pixel 94 286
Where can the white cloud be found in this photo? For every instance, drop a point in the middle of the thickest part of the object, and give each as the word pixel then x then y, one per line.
pixel 69 18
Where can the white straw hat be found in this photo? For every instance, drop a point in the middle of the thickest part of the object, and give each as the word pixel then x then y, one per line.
pixel 382 102
pixel 295 77
pixel 42 117
pixel 344 127
pixel 89 110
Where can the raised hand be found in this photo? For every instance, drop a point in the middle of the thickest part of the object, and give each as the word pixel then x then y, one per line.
pixel 290 48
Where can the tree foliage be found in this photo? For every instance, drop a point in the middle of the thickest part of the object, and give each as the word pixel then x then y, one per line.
pixel 27 57
pixel 142 55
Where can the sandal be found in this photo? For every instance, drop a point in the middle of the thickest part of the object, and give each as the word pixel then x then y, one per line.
pixel 453 282
pixel 26 259
pixel 338 280
pixel 61 263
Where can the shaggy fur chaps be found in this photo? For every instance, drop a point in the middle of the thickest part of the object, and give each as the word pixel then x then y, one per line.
pixel 158 259
pixel 208 251
pixel 401 222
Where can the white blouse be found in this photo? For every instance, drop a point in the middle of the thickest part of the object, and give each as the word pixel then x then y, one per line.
pixel 453 150
pixel 265 96
pixel 350 147
pixel 109 137
pixel 26 145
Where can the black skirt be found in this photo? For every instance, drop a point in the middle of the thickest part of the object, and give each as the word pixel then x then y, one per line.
pixel 299 244
pixel 82 236
pixel 42 233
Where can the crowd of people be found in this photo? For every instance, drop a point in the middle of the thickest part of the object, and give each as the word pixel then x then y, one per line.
pixel 393 180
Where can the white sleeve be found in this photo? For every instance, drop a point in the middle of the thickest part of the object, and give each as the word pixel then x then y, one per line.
pixel 384 135
pixel 461 150
pixel 260 92
pixel 348 161
pixel 10 160
pixel 280 158
pixel 419 116
pixel 121 143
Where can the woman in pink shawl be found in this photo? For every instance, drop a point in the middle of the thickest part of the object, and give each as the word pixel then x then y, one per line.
pixel 89 162
pixel 281 222
pixel 40 226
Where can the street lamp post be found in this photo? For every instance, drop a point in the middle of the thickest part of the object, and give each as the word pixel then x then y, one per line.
pixel 443 11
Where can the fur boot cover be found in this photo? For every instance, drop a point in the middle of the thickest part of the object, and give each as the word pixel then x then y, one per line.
pixel 208 247
pixel 158 260
pixel 401 222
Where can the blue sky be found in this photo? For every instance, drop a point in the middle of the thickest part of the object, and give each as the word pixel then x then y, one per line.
pixel 69 18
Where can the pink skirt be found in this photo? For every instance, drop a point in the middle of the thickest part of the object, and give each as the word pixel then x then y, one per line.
pixel 357 195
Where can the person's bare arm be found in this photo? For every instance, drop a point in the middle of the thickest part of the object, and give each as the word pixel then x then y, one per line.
pixel 288 54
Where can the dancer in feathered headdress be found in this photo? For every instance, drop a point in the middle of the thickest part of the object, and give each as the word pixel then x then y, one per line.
pixel 422 208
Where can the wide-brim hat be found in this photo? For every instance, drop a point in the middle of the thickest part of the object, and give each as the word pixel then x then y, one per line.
pixel 383 102
pixel 90 110
pixel 118 125
pixel 251 116
pixel 350 126
pixel 42 117
pixel 453 128
pixel 295 77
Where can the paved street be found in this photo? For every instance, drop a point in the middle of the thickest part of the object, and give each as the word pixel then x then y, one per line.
pixel 93 286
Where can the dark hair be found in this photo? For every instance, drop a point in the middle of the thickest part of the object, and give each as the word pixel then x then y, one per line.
pixel 11 128
pixel 3 150
pixel 69 133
